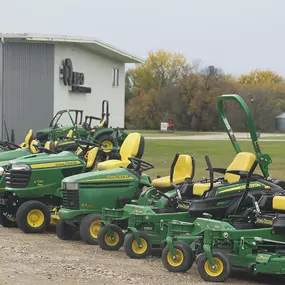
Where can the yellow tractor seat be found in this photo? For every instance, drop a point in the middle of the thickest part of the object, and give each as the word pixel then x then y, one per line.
pixel 50 145
pixel 29 138
pixel 184 167
pixel 91 158
pixel 243 161
pixel 32 146
pixel 102 123
pixel 133 146
pixel 278 203
pixel 69 134
pixel 47 145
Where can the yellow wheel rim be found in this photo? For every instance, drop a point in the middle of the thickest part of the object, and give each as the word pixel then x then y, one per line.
pixel 35 218
pixel 95 228
pixel 179 258
pixel 112 241
pixel 139 250
pixel 106 145
pixel 214 272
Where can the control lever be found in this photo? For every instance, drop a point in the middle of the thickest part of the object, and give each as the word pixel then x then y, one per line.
pixel 171 176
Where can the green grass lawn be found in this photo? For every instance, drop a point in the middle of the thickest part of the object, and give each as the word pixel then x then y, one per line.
pixel 161 153
pixel 158 133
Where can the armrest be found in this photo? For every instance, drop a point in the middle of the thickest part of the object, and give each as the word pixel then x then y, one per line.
pixel 219 170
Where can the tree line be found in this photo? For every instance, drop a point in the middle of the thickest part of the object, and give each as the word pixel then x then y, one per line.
pixel 168 87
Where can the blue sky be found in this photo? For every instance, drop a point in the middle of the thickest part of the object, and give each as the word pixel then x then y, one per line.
pixel 235 35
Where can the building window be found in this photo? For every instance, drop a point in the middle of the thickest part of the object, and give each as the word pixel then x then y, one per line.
pixel 115 75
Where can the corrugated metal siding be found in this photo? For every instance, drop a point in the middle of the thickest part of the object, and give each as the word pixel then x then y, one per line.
pixel 1 85
pixel 28 87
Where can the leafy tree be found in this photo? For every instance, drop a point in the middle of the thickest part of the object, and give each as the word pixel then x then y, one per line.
pixel 161 69
pixel 260 77
pixel 128 87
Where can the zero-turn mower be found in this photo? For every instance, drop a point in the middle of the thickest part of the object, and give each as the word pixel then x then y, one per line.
pixel 253 240
pixel 219 196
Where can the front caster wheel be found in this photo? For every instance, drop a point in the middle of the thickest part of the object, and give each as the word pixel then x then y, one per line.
pixel 132 248
pixel 109 242
pixel 65 231
pixel 184 260
pixel 89 228
pixel 33 217
pixel 6 222
pixel 220 273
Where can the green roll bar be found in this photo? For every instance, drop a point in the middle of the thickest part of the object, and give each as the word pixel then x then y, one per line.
pixel 73 123
pixel 263 159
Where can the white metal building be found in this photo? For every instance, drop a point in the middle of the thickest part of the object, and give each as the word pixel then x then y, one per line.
pixel 40 75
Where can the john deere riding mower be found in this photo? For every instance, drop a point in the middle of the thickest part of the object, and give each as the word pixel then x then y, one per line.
pixel 220 196
pixel 254 240
pixel 102 132
pixel 33 184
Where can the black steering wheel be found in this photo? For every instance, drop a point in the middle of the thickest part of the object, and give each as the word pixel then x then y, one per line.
pixel 140 165
pixel 87 145
pixel 10 145
pixel 44 150
pixel 86 126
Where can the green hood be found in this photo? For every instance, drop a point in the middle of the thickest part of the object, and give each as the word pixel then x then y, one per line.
pixel 36 160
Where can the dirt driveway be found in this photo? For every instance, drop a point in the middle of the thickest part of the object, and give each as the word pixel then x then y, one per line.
pixel 44 259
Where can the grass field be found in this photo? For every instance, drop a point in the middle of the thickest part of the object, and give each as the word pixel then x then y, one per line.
pixel 157 133
pixel 161 153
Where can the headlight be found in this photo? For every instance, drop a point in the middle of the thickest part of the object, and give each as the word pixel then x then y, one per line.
pixel 2 170
pixel 71 186
pixel 20 167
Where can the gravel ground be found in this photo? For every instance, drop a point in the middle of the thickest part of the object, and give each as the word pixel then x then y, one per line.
pixel 28 259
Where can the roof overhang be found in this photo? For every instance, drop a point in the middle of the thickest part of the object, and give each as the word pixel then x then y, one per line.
pixel 90 43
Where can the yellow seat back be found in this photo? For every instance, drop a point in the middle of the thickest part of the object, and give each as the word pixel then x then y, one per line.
pixel 22 145
pixel 47 145
pixel 32 147
pixel 69 134
pixel 278 203
pixel 91 158
pixel 243 161
pixel 102 123
pixel 184 167
pixel 29 138
pixel 78 151
pixel 133 146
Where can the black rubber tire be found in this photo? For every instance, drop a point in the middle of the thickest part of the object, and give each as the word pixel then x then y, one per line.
pixel 103 233
pixel 187 261
pixel 23 211
pixel 128 242
pixel 6 223
pixel 65 231
pixel 84 228
pixel 201 261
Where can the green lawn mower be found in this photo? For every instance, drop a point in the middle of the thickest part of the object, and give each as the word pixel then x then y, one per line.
pixel 102 132
pixel 33 184
pixel 220 196
pixel 219 246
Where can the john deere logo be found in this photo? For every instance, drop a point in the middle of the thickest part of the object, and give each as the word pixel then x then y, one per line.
pixel 71 78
